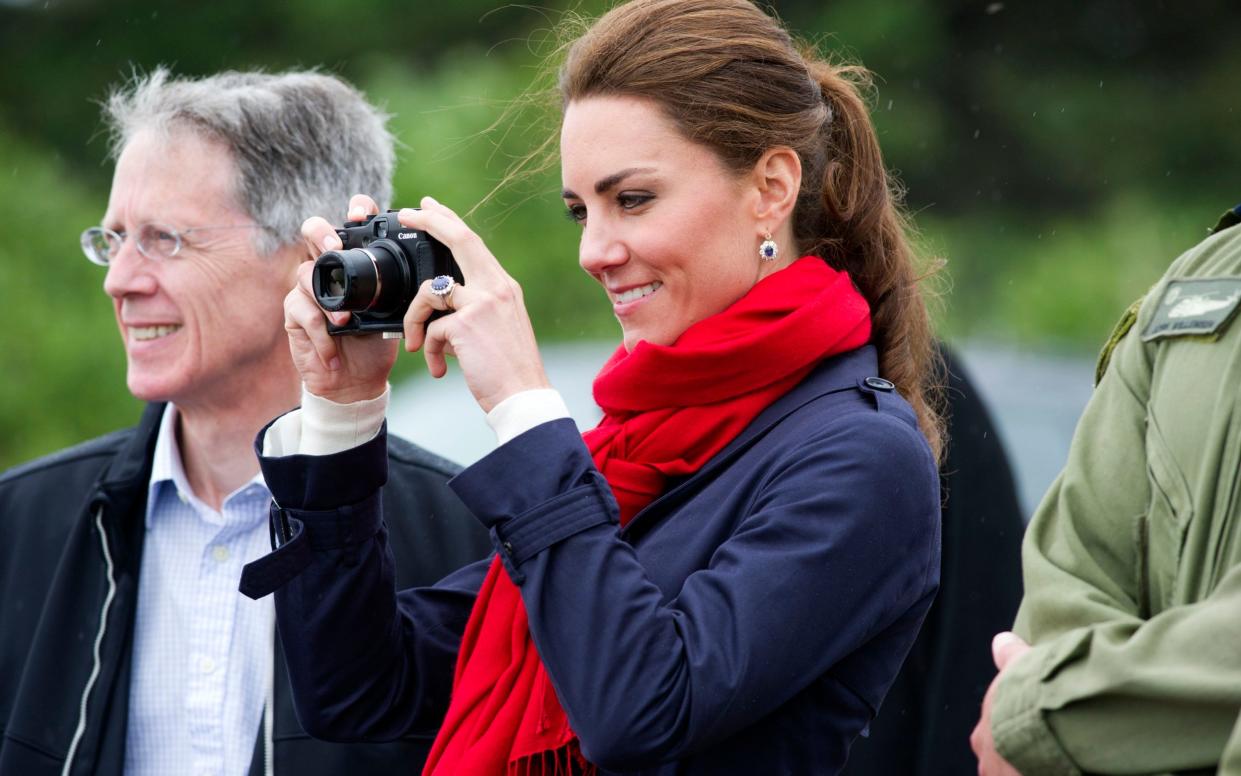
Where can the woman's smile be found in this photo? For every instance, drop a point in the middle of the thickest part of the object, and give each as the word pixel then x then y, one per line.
pixel 622 301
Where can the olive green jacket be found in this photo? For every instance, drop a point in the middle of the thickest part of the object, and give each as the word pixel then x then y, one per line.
pixel 1133 586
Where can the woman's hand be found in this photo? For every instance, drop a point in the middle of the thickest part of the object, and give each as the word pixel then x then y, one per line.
pixel 342 369
pixel 488 331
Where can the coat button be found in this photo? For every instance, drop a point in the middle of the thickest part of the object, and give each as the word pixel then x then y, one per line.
pixel 508 548
pixel 879 384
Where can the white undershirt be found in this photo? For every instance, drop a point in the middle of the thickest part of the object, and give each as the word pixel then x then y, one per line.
pixel 322 426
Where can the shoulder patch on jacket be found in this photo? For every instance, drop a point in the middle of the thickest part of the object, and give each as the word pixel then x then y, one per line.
pixel 1194 306
pixel 1122 327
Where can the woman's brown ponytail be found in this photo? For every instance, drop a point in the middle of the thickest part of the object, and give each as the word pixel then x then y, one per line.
pixel 854 221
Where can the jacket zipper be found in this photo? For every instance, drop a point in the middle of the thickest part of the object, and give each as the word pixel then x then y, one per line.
pixel 99 636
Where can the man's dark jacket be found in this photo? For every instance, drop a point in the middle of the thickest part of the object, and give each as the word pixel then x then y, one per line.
pixel 73 527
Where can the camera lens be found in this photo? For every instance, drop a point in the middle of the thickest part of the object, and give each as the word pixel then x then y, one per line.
pixel 336 282
pixel 372 279
pixel 331 282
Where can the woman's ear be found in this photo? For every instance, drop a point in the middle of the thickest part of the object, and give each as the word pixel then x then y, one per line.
pixel 777 179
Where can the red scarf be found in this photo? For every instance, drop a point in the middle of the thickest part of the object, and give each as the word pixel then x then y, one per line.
pixel 667 411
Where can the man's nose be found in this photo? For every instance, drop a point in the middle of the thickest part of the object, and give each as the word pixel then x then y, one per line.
pixel 129 272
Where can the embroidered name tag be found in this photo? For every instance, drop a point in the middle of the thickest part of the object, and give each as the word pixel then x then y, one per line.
pixel 1194 306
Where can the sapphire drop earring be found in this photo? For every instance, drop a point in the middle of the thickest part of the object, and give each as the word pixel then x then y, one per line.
pixel 768 250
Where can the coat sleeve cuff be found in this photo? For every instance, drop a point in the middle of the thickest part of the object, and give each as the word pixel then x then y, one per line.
pixel 344 529
pixel 535 491
pixel 1018 720
pixel 325 482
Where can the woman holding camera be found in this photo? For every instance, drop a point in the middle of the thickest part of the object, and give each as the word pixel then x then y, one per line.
pixel 725 575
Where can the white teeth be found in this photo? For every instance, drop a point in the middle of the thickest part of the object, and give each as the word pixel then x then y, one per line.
pixel 143 333
pixel 638 293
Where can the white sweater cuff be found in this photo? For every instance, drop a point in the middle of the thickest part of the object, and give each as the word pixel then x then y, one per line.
pixel 523 411
pixel 322 426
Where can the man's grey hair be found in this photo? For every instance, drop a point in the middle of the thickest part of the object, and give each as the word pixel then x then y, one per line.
pixel 303 142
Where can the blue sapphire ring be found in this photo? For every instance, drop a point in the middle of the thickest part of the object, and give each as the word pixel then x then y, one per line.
pixel 442 286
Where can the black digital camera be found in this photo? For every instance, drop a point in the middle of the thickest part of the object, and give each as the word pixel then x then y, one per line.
pixel 377 273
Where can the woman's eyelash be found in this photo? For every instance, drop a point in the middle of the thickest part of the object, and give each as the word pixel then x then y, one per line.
pixel 627 200
pixel 631 200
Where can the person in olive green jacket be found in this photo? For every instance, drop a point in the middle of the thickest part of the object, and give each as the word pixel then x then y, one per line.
pixel 1132 609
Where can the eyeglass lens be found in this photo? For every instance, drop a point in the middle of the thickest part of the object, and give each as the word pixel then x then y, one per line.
pixel 153 241
pixel 97 243
pixel 156 241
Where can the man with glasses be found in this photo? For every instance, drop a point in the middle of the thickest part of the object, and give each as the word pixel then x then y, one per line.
pixel 124 644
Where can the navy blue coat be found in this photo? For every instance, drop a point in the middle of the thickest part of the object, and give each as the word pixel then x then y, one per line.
pixel 750 620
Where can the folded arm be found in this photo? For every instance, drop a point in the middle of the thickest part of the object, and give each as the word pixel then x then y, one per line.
pixel 1108 688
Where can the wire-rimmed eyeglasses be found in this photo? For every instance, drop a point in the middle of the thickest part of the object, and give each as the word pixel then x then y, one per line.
pixel 155 241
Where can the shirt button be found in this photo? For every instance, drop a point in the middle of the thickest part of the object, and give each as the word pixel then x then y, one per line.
pixel 206 665
pixel 219 552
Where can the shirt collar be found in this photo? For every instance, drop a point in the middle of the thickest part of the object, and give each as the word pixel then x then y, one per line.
pixel 167 466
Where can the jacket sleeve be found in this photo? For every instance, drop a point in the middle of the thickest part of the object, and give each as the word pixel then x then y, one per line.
pixel 364 662
pixel 1230 763
pixel 1107 688
pixel 840 540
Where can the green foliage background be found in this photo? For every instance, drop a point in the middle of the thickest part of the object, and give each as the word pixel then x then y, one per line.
pixel 1057 154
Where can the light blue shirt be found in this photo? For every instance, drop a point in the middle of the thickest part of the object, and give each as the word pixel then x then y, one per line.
pixel 202 662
